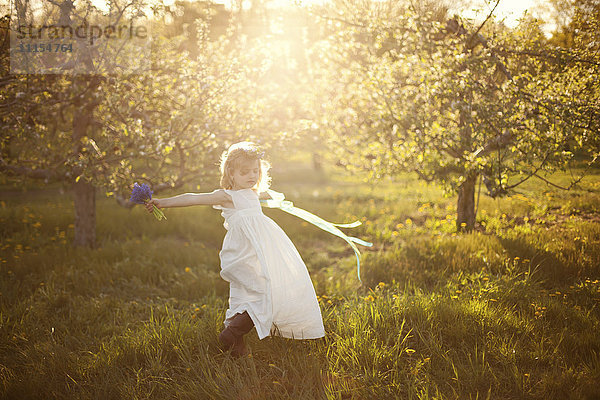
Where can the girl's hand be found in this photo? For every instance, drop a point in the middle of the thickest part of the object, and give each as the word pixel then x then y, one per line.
pixel 149 204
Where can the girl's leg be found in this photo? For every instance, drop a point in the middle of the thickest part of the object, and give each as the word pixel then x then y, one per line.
pixel 232 337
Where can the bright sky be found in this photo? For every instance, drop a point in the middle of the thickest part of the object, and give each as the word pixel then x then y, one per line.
pixel 510 10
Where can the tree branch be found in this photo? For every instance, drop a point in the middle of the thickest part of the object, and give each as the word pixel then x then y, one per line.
pixel 45 174
pixel 481 26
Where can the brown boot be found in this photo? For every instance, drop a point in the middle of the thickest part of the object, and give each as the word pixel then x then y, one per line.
pixel 232 337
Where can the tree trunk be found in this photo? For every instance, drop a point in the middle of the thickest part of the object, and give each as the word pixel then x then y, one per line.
pixel 84 192
pixel 85 214
pixel 465 208
pixel 316 159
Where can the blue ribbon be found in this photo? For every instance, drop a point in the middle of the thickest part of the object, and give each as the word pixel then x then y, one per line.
pixel 278 201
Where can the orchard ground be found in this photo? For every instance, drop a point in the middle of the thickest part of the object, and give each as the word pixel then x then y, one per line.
pixel 509 311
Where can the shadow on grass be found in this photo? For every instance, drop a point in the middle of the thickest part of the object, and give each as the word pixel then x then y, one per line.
pixel 550 269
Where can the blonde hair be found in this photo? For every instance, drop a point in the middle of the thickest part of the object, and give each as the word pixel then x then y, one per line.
pixel 232 158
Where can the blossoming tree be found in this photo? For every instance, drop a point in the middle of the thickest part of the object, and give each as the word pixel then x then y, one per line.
pixel 419 91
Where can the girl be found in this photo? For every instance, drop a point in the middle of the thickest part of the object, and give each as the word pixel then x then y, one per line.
pixel 269 284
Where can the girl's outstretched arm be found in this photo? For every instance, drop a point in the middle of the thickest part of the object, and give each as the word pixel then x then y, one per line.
pixel 191 199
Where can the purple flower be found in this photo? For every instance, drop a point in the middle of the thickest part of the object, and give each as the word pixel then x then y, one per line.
pixel 141 194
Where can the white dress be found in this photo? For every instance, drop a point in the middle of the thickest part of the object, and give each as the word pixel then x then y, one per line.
pixel 266 275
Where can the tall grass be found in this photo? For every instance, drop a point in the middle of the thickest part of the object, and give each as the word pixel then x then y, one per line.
pixel 509 311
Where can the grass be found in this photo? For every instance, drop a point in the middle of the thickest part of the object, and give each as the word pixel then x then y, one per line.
pixel 509 311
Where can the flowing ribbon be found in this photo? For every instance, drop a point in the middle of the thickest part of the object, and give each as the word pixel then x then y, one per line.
pixel 278 201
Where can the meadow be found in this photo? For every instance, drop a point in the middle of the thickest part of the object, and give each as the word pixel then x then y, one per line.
pixel 509 311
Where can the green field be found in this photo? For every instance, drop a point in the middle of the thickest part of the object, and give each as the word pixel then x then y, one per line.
pixel 509 311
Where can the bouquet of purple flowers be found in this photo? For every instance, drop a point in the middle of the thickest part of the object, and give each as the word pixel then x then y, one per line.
pixel 141 194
